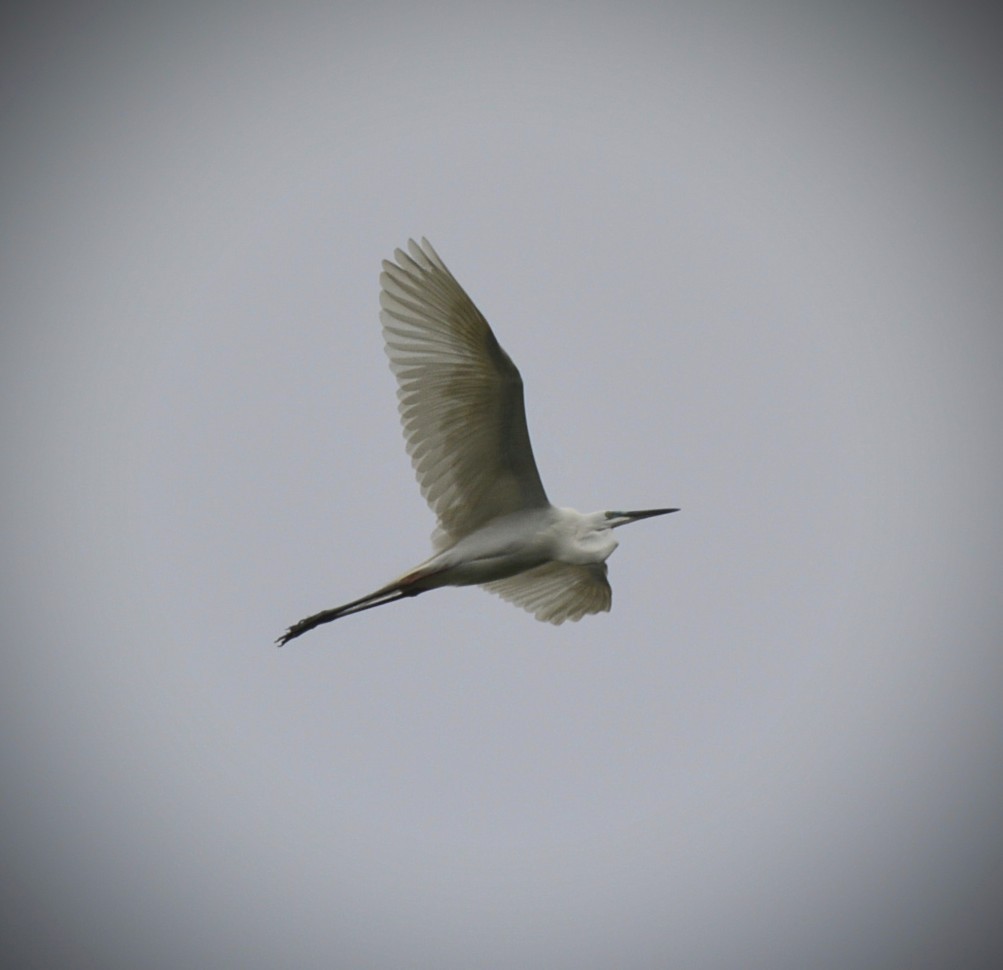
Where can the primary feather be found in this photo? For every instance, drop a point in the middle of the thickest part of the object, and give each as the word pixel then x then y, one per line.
pixel 461 398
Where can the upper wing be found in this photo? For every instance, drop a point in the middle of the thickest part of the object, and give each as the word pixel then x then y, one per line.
pixel 461 400
pixel 556 591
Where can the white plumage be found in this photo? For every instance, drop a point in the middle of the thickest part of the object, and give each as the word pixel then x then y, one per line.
pixel 461 400
pixel 464 421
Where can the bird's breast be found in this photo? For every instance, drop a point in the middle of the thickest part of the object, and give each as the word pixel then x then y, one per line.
pixel 587 548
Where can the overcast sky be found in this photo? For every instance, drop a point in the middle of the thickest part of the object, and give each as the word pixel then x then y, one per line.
pixel 748 258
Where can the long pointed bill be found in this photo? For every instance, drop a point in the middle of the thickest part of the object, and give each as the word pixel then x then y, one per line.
pixel 622 518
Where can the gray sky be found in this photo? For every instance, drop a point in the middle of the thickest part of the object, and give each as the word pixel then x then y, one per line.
pixel 747 257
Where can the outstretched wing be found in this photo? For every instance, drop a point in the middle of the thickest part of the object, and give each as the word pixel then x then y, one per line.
pixel 556 591
pixel 461 399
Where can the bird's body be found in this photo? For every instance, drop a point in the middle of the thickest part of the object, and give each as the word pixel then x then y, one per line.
pixel 507 546
pixel 461 404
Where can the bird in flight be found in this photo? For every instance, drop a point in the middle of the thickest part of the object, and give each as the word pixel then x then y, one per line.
pixel 464 419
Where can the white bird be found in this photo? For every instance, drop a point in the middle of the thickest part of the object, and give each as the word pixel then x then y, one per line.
pixel 461 406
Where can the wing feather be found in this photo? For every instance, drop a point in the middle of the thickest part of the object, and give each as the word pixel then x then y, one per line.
pixel 557 591
pixel 460 398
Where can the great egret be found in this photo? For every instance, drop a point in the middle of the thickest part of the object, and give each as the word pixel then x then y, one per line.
pixel 461 406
